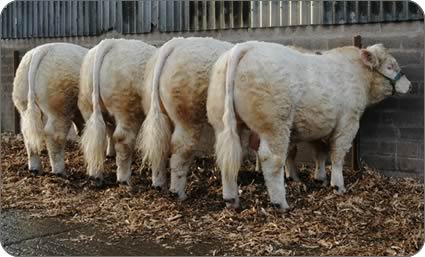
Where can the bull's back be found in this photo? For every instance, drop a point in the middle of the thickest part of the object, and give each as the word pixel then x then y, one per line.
pixel 56 79
pixel 122 75
pixel 185 78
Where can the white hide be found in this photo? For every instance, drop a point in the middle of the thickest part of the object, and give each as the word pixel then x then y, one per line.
pixel 45 92
pixel 280 92
pixel 112 78
pixel 177 82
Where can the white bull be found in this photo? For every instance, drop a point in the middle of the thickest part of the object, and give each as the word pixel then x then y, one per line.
pixel 280 93
pixel 112 77
pixel 45 92
pixel 174 99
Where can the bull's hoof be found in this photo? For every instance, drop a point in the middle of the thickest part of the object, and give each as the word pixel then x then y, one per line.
pixel 98 182
pixel 232 203
pixel 280 208
pixel 173 195
pixel 157 188
pixel 323 183
pixel 36 172
pixel 59 175
pixel 110 157
pixel 288 179
pixel 339 190
pixel 123 183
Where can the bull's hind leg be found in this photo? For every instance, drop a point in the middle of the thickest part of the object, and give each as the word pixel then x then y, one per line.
pixel 320 154
pixel 34 161
pixel 56 130
pixel 110 150
pixel 124 137
pixel 182 142
pixel 291 170
pixel 272 152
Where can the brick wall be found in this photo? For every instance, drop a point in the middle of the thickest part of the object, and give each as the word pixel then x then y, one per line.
pixel 391 133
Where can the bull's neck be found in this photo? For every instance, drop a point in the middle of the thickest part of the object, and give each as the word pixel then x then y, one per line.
pixel 378 88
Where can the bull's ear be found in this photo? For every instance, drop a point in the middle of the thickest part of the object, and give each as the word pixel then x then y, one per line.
pixel 369 58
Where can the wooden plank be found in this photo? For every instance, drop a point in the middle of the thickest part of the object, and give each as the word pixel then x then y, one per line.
pixel 317 14
pixel 170 16
pixel 255 14
pixel 186 14
pixel 265 13
pixel 63 17
pixel 162 16
pixel 204 15
pixel 275 12
pixel 113 14
pixel 285 17
pixel 295 20
pixel 305 12
pixel 34 20
pixel 139 17
pixel 119 17
pixel 100 22
pixel 74 19
pixel 26 19
pixel 231 15
pixel 369 7
pixel 211 14
pixel 4 23
pixel 56 18
pixel 147 16
pixel 18 18
pixel 14 20
pixel 43 19
pixel 105 15
pixel 178 15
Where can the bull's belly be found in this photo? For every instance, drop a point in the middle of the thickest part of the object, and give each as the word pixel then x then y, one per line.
pixel 310 131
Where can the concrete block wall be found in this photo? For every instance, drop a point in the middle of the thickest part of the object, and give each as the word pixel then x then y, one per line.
pixel 391 132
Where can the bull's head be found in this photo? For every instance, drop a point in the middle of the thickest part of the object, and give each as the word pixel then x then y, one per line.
pixel 377 58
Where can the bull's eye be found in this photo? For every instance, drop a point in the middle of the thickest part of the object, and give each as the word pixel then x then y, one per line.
pixel 390 66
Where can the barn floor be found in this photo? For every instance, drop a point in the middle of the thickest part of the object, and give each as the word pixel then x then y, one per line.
pixel 377 216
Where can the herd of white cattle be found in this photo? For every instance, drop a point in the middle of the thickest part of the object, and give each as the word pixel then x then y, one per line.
pixel 124 95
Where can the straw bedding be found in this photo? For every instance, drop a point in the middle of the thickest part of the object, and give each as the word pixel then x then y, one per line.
pixel 377 216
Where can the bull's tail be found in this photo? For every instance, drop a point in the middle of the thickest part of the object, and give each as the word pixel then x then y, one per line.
pixel 93 141
pixel 228 145
pixel 32 123
pixel 155 136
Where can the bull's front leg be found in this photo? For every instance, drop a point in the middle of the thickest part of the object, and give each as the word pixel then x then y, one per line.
pixel 339 147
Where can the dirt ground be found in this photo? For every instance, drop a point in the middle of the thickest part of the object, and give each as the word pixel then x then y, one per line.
pixel 377 216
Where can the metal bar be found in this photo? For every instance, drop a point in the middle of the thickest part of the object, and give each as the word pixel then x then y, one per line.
pixel 186 14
